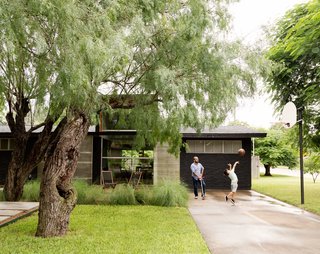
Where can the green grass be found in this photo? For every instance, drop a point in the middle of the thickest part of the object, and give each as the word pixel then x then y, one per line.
pixel 287 189
pixel 111 229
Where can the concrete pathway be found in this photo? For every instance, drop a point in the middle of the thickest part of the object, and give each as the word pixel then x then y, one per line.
pixel 256 224
pixel 11 211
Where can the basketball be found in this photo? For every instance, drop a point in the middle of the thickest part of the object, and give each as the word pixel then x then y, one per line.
pixel 241 152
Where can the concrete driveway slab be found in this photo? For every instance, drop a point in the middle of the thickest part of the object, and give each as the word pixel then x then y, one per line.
pixel 256 224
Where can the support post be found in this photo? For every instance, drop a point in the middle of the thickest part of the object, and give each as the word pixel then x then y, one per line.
pixel 300 110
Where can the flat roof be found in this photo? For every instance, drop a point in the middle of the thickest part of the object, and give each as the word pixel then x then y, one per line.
pixel 238 131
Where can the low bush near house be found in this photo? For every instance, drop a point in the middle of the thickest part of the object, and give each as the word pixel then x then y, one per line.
pixel 1 195
pixel 122 195
pixel 169 193
pixel 89 194
pixel 31 191
pixel 166 193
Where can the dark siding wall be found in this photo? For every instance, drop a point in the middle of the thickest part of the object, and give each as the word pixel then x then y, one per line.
pixel 215 164
pixel 96 160
pixel 5 157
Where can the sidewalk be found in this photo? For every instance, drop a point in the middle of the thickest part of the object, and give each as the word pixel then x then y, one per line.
pixel 257 224
pixel 11 211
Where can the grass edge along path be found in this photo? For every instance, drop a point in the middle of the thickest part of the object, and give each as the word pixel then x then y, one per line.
pixel 287 189
pixel 111 229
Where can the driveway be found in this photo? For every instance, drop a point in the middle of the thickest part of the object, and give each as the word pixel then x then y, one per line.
pixel 256 224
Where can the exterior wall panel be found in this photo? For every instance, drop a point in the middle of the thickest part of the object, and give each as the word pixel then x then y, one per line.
pixel 84 167
pixel 166 166
pixel 215 164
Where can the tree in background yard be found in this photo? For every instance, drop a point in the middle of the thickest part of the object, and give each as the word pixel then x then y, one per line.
pixel 60 55
pixel 275 151
pixel 312 165
pixel 295 54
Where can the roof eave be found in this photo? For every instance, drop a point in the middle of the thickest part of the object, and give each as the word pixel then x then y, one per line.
pixel 223 135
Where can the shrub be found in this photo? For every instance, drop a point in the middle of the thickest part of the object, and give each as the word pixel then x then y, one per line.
pixel 31 191
pixel 95 194
pixel 81 188
pixel 122 194
pixel 1 195
pixel 169 193
pixel 144 194
pixel 89 194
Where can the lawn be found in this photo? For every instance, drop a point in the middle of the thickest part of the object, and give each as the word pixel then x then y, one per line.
pixel 111 229
pixel 287 189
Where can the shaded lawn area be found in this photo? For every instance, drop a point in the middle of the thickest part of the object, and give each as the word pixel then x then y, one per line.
pixel 111 229
pixel 287 189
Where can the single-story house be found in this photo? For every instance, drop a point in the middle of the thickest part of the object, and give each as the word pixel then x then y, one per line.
pixel 112 150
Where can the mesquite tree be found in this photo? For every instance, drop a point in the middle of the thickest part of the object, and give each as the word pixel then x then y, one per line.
pixel 163 62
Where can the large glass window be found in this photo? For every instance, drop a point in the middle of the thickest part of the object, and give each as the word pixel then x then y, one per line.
pixel 213 146
pixel 119 156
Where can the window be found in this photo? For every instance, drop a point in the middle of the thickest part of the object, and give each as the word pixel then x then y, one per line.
pixel 213 146
pixel 119 156
pixel 6 144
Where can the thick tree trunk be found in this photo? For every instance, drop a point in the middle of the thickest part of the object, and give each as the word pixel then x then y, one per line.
pixel 267 167
pixel 17 175
pixel 15 180
pixel 57 197
pixel 18 171
pixel 26 155
pixel 24 159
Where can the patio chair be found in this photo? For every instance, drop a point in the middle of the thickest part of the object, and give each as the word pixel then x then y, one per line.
pixel 135 178
pixel 107 179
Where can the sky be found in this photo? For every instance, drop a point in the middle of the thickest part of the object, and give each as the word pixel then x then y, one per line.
pixel 249 16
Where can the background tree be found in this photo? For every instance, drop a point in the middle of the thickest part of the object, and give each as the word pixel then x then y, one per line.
pixel 295 54
pixel 60 54
pixel 312 165
pixel 274 151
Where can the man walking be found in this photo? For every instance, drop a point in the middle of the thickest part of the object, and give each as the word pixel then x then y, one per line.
pixel 197 177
